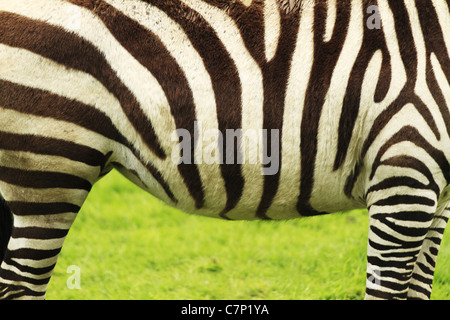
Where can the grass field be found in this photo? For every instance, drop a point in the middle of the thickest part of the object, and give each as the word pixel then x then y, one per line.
pixel 129 245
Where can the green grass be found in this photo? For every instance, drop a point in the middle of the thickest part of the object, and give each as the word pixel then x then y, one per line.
pixel 130 245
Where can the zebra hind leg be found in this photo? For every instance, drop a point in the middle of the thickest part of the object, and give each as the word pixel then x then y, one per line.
pixel 41 221
pixel 400 219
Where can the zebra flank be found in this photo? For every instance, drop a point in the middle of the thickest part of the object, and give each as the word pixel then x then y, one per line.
pixel 239 110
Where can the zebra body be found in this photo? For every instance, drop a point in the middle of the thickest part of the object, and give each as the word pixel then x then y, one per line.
pixel 354 117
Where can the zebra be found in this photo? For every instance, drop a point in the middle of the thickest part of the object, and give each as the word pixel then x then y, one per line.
pixel 352 99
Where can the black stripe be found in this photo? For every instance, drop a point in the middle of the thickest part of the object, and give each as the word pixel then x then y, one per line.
pixel 398 181
pixel 405 199
pixel 43 179
pixel 436 240
pixel 51 146
pixel 392 253
pixel 401 161
pixel 401 264
pixel 39 233
pixel 395 286
pixel 250 21
pixel 385 295
pixel 275 80
pixel 160 179
pixel 417 288
pixel 418 216
pixel 412 247
pixel 33 254
pixel 431 262
pixel 433 251
pixel 36 208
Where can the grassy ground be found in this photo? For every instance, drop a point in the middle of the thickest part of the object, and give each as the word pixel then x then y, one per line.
pixel 129 245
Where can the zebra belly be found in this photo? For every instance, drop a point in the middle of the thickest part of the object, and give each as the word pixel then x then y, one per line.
pixel 327 196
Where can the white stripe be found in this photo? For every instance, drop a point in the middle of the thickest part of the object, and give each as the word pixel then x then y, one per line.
pixel 370 82
pixel 419 46
pixel 61 221
pixel 47 244
pixel 284 204
pixel 48 195
pixel 331 20
pixel 181 49
pixel 246 2
pixel 272 28
pixel 398 71
pixel 363 124
pixel 36 263
pixel 252 99
pixel 443 13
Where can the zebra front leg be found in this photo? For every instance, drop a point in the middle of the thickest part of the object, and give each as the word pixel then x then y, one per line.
pixel 400 217
pixel 423 274
pixel 41 220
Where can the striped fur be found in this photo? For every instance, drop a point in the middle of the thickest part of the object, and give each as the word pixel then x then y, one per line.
pixel 363 116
